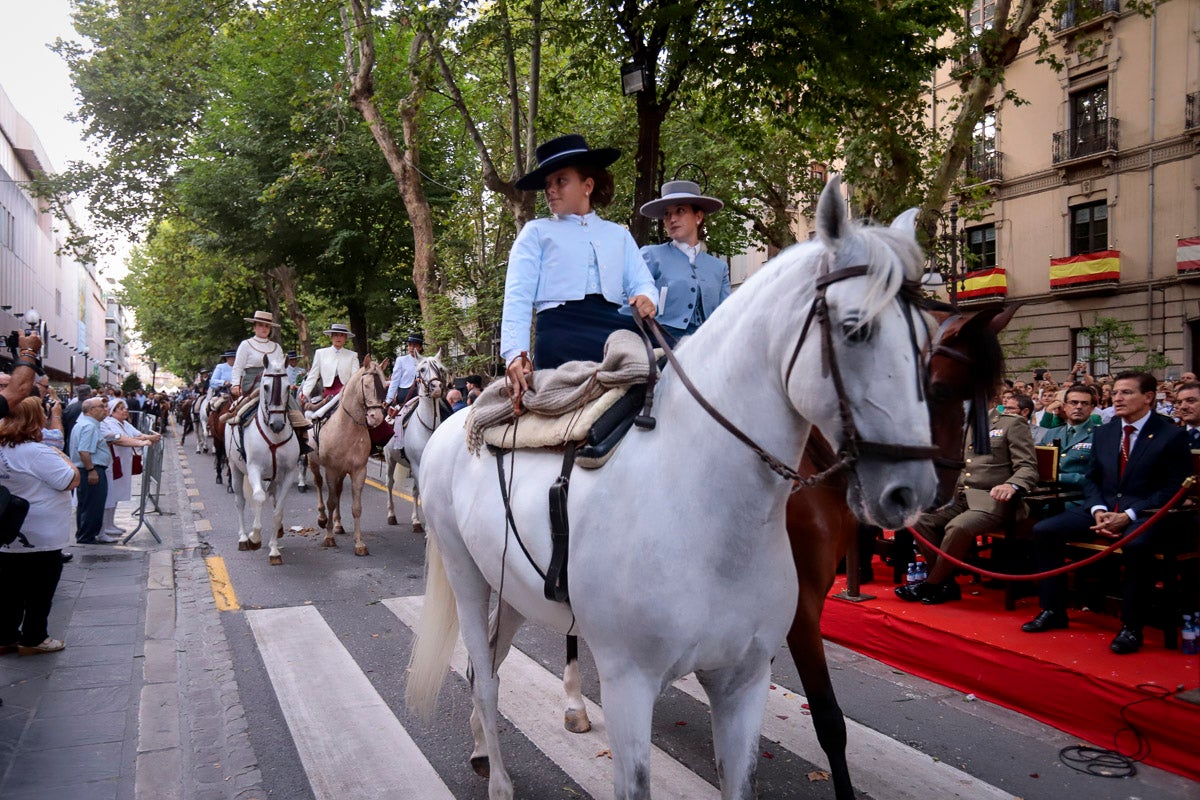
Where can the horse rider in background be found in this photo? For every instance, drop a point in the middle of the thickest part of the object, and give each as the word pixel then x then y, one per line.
pixel 405 371
pixel 294 371
pixel 332 366
pixel 248 366
pixel 221 381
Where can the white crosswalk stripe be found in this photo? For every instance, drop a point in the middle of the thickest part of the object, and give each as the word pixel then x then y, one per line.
pixel 339 715
pixel 348 715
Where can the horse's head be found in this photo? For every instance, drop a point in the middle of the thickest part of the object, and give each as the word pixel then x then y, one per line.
pixel 431 376
pixel 858 369
pixel 273 393
pixel 965 365
pixel 365 394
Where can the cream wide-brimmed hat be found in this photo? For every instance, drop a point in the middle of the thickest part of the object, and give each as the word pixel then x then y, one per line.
pixel 680 193
pixel 263 316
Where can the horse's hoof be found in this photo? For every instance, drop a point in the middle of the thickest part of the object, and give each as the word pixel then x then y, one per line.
pixel 243 545
pixel 279 533
pixel 576 720
pixel 329 541
pixel 391 519
pixel 276 561
pixel 322 521
pixel 302 488
pixel 418 527
pixel 228 490
pixel 339 530
pixel 255 545
pixel 219 481
pixel 361 550
pixel 482 766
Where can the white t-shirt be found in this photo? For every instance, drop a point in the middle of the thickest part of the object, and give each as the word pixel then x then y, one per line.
pixel 40 474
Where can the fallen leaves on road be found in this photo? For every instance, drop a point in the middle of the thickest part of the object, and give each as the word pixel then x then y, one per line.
pixel 605 754
pixel 818 775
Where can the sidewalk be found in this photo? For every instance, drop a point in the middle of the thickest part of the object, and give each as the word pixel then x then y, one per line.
pixel 142 703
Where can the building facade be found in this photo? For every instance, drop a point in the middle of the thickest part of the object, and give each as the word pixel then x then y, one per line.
pixel 1090 190
pixel 35 273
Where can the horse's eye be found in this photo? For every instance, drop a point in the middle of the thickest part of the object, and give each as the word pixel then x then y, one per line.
pixel 855 332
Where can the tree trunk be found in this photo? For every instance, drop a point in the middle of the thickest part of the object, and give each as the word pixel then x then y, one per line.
pixel 404 165
pixel 649 152
pixel 284 278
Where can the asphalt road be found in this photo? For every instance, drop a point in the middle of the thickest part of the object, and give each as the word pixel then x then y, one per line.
pixel 1006 753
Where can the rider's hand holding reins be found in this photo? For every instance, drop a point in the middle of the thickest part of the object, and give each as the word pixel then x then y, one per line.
pixel 642 305
pixel 236 391
pixel 517 374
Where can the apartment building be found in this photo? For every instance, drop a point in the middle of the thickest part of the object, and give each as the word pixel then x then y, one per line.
pixel 1091 188
pixel 34 273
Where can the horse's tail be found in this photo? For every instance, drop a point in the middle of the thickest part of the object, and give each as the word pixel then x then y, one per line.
pixel 437 633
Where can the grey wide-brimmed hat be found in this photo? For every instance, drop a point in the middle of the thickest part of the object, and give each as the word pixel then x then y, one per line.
pixel 565 151
pixel 677 193
pixel 263 316
pixel 338 327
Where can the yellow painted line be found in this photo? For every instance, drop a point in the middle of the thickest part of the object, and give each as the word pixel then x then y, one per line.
pixel 222 587
pixel 378 485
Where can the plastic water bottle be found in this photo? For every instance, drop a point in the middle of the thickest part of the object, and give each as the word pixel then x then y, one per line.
pixel 922 574
pixel 1189 645
pixel 911 578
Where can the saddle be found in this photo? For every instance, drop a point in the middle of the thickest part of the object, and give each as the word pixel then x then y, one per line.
pixel 324 408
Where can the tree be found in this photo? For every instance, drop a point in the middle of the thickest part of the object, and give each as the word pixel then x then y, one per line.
pixel 131 384
pixel 1112 341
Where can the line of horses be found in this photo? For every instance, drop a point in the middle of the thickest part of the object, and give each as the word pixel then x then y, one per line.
pixel 704 567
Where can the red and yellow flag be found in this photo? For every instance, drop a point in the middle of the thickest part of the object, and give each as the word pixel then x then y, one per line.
pixel 983 283
pixel 1086 268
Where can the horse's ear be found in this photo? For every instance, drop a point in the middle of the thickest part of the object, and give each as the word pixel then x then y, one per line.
pixel 1005 316
pixel 907 221
pixel 366 360
pixel 438 355
pixel 384 364
pixel 831 213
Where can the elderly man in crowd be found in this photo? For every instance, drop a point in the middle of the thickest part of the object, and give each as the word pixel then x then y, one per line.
pixel 90 453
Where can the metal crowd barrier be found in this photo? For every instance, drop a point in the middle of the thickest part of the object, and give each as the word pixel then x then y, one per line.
pixel 152 462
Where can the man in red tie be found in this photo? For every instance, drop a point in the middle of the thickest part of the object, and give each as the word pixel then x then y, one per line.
pixel 1139 461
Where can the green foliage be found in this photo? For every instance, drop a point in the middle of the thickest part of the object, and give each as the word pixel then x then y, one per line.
pixel 131 384
pixel 1113 340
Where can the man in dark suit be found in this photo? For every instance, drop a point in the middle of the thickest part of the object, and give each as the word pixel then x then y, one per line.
pixel 1187 408
pixel 1139 461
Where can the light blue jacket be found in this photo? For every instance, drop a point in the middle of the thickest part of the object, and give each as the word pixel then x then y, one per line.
pixel 222 374
pixel 671 269
pixel 549 264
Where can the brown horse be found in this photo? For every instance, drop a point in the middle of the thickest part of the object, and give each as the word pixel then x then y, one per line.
pixel 965 366
pixel 343 447
pixel 216 427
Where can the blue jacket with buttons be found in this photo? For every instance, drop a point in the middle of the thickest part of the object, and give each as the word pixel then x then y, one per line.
pixel 671 269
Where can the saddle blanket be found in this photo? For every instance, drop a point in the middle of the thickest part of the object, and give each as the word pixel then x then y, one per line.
pixel 324 409
pixel 533 430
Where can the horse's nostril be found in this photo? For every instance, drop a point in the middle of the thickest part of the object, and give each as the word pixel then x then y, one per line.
pixel 902 497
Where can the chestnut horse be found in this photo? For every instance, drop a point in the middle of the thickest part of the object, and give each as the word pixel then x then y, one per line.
pixel 965 366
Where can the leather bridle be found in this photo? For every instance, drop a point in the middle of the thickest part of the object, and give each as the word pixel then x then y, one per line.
pixel 369 402
pixel 854 446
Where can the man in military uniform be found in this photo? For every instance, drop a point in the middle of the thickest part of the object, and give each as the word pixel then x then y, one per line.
pixel 988 495
pixel 1075 438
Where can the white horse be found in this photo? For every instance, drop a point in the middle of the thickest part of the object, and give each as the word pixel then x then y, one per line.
pixel 679 559
pixel 264 456
pixel 430 410
pixel 203 434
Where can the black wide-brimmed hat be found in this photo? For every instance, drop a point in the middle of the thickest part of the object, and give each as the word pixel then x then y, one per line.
pixel 416 338
pixel 291 354
pixel 565 151
pixel 229 354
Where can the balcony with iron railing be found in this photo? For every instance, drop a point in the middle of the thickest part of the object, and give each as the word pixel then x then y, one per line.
pixel 984 166
pixel 1086 13
pixel 1191 117
pixel 1093 140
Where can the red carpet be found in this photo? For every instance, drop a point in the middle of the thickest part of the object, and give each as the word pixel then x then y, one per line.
pixel 1068 679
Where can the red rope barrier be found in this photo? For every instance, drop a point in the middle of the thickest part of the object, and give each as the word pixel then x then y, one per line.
pixel 1036 576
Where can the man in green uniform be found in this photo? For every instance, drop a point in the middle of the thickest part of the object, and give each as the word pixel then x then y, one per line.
pixel 988 496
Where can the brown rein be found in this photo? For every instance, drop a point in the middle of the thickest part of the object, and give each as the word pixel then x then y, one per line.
pixel 854 446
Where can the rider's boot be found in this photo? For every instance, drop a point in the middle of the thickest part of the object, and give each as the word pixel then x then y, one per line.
pixel 302 437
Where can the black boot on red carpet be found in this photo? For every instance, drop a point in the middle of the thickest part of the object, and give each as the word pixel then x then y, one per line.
pixel 1129 640
pixel 1046 621
pixel 943 592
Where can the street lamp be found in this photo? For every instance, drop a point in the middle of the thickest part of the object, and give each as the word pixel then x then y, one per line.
pixel 84 353
pixel 934 279
pixel 633 78
pixel 153 374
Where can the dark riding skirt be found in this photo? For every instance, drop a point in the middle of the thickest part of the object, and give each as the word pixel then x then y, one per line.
pixel 577 331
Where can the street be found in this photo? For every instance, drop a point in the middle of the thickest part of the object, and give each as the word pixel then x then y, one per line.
pixel 327 620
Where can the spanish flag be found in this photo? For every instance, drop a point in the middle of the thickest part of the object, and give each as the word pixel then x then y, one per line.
pixel 1083 269
pixel 983 283
pixel 1187 255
